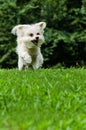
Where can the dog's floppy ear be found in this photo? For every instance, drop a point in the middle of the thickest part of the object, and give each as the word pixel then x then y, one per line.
pixel 41 24
pixel 16 28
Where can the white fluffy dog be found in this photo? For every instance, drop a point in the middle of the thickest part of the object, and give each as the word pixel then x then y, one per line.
pixel 29 40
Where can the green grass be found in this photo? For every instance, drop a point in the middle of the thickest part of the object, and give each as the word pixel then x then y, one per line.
pixel 45 99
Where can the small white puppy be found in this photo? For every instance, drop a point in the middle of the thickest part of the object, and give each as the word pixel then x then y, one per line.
pixel 29 40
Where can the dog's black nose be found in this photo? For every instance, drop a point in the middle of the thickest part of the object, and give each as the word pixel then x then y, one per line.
pixel 37 38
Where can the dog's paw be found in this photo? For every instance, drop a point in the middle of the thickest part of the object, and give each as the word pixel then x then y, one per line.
pixel 27 59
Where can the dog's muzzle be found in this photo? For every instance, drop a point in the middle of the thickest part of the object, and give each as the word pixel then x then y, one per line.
pixel 35 41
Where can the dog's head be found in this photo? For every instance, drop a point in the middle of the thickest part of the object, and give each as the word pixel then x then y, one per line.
pixel 32 35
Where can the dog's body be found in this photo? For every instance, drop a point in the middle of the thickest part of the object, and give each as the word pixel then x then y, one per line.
pixel 29 41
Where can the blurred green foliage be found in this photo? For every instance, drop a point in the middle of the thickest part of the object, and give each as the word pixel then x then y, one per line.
pixel 65 40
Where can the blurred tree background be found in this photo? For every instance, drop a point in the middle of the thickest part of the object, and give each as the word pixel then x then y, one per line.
pixel 65 35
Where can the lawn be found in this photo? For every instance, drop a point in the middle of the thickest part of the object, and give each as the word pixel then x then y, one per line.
pixel 45 99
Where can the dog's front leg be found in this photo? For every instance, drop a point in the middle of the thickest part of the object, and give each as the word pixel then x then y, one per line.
pixel 27 58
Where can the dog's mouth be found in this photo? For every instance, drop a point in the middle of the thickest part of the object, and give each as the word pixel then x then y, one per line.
pixel 35 42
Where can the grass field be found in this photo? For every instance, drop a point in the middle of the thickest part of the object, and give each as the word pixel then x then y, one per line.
pixel 45 99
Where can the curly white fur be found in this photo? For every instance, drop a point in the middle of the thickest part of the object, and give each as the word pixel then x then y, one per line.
pixel 29 41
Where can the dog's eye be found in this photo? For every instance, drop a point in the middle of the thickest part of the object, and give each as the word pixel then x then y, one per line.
pixel 31 34
pixel 38 33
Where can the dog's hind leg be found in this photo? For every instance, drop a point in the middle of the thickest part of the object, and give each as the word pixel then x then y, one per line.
pixel 39 61
pixel 20 63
